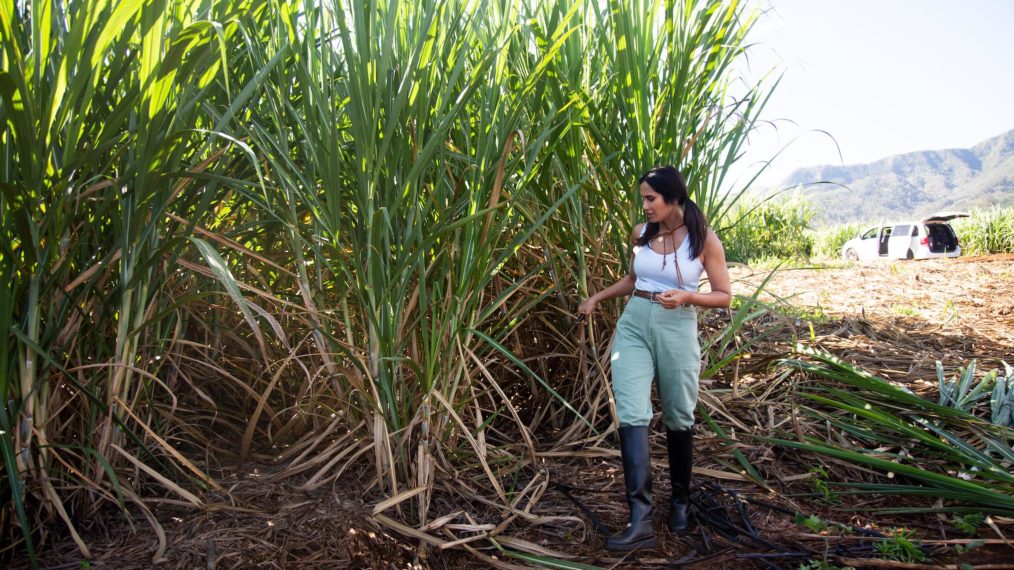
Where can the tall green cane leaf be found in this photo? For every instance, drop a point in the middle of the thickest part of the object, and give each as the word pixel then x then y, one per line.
pixel 517 362
pixel 987 498
pixel 225 277
pixel 14 482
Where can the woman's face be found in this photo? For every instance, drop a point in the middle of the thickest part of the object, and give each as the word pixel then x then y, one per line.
pixel 655 207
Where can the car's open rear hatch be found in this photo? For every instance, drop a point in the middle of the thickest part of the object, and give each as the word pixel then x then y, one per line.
pixel 941 237
pixel 944 216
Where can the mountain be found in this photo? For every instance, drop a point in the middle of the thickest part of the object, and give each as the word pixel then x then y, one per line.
pixel 912 185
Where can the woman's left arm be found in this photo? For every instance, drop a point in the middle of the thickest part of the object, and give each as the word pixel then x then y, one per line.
pixel 713 258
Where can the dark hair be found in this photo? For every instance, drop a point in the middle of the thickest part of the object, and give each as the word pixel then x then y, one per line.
pixel 669 183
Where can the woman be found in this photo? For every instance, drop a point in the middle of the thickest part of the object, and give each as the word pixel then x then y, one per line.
pixel 657 338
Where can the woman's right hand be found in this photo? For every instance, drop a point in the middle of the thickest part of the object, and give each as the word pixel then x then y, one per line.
pixel 586 307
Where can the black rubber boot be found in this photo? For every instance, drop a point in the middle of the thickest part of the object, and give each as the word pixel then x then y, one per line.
pixel 637 476
pixel 680 444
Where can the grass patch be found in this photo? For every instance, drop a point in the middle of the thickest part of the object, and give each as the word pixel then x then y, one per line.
pixel 827 242
pixel 761 232
pixel 986 231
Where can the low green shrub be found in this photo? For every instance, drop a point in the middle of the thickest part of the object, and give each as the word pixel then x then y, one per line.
pixel 986 231
pixel 765 229
pixel 827 242
pixel 901 547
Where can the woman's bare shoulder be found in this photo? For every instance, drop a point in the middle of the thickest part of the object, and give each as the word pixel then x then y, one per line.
pixel 712 239
pixel 635 234
pixel 713 246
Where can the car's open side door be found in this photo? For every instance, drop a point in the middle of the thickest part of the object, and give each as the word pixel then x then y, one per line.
pixel 900 242
pixel 883 243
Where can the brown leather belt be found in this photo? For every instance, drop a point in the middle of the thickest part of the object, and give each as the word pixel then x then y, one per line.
pixel 649 295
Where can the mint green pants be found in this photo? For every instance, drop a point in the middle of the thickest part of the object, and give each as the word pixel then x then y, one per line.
pixel 654 342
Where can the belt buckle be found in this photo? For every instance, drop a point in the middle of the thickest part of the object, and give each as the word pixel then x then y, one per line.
pixel 651 297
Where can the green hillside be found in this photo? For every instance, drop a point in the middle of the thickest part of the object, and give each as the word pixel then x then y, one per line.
pixel 912 184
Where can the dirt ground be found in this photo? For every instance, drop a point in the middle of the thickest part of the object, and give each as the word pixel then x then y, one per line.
pixel 948 296
pixel 897 318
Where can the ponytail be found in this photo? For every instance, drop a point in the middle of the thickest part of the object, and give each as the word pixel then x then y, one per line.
pixel 697 227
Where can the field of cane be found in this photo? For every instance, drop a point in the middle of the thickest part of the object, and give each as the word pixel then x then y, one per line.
pixel 791 509
pixel 292 284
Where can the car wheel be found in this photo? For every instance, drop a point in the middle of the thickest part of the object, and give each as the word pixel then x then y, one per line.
pixel 850 254
pixel 910 255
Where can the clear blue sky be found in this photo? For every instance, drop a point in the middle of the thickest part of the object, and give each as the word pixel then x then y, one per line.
pixel 882 77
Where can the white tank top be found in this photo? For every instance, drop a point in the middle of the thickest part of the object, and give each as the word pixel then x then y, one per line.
pixel 651 276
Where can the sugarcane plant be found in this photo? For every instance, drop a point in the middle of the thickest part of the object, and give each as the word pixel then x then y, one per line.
pixel 327 234
pixel 103 134
pixel 939 450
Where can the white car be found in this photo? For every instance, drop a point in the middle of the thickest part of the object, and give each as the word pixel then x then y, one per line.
pixel 930 237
